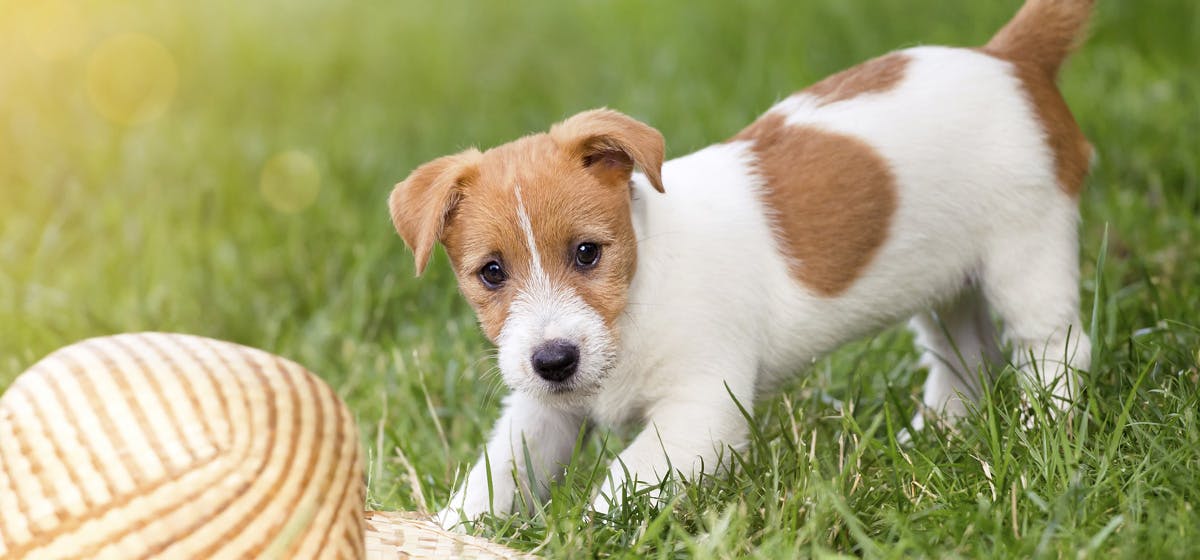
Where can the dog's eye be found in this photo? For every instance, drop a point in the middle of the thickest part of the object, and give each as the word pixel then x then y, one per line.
pixel 587 255
pixel 492 275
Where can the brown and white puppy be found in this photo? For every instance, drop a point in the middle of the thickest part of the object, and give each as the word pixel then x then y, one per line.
pixel 934 184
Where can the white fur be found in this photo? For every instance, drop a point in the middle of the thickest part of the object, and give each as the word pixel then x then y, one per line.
pixel 541 312
pixel 713 310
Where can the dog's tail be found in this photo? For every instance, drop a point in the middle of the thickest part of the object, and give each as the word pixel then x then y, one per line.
pixel 1043 32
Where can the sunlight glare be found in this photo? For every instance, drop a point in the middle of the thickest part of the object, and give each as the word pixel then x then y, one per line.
pixel 290 181
pixel 131 79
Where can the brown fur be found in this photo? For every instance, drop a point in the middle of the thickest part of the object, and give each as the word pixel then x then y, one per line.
pixel 874 76
pixel 1072 152
pixel 831 198
pixel 1042 33
pixel 610 143
pixel 1037 41
pixel 574 186
pixel 422 203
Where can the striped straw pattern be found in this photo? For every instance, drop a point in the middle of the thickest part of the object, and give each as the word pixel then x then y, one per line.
pixel 158 445
pixel 411 537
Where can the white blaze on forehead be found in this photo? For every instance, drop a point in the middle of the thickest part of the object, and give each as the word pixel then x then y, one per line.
pixel 542 312
pixel 527 227
pixel 536 301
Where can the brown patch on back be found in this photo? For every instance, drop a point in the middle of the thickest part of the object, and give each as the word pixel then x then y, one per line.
pixel 832 198
pixel 873 76
pixel 1071 150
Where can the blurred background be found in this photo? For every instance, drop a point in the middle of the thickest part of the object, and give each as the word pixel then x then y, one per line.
pixel 221 167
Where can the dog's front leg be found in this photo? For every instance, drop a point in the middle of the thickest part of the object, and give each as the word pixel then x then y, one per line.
pixel 689 432
pixel 526 452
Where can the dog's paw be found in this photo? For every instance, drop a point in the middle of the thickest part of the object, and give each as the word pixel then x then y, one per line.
pixel 1046 407
pixel 602 504
pixel 463 510
pixel 1057 413
pixel 904 437
pixel 615 497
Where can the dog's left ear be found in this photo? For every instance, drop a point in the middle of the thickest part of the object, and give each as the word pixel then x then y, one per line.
pixel 421 204
pixel 609 143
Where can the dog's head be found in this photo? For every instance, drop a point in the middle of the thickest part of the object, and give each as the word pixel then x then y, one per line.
pixel 540 236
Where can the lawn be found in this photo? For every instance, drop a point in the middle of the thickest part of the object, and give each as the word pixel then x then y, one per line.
pixel 221 168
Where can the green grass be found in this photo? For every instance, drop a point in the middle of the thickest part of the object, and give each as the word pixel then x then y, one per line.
pixel 107 228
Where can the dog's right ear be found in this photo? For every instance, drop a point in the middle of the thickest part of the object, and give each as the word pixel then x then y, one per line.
pixel 421 203
pixel 609 143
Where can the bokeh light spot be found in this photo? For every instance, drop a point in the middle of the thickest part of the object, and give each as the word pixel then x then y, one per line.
pixel 131 79
pixel 290 181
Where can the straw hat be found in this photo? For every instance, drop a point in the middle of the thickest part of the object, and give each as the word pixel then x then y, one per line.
pixel 405 535
pixel 163 445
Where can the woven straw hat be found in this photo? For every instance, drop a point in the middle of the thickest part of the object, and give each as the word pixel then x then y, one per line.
pixel 175 446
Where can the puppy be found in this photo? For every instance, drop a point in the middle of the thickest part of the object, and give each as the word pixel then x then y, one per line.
pixel 932 184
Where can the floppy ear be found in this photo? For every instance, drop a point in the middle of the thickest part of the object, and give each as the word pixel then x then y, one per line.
pixel 610 143
pixel 422 202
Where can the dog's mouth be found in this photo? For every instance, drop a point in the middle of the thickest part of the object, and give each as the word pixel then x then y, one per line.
pixel 558 357
pixel 567 388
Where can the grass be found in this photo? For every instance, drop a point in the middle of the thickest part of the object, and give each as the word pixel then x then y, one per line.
pixel 157 219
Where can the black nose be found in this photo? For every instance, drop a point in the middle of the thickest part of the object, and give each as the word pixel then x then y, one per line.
pixel 555 360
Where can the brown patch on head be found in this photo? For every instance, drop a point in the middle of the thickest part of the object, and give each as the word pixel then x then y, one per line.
pixel 1071 149
pixel 831 199
pixel 484 228
pixel 873 76
pixel 574 188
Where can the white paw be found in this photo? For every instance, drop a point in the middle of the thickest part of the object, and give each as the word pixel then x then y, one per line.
pixel 613 497
pixel 463 510
pixel 1057 406
pixel 604 501
pixel 904 437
